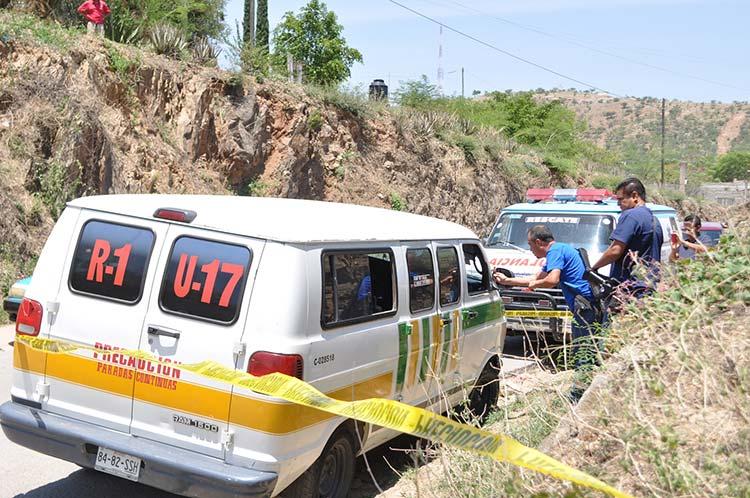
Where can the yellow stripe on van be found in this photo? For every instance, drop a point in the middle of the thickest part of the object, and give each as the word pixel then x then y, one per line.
pixel 282 418
pixel 253 413
pixel 437 327
pixel 91 373
pixel 27 359
pixel 456 337
pixel 411 373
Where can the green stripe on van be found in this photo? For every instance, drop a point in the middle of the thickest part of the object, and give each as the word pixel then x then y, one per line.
pixel 447 331
pixel 425 349
pixel 403 353
pixel 487 312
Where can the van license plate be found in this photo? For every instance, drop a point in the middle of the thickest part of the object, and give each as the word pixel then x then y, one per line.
pixel 119 464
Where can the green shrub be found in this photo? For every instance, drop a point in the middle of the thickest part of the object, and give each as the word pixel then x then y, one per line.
pixel 314 120
pixel 56 187
pixel 561 165
pixel 397 203
pixel 167 40
pixel 469 148
pixel 351 101
pixel 605 181
pixel 204 52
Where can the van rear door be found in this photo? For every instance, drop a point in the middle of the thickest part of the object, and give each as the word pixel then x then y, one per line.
pixel 196 313
pixel 103 298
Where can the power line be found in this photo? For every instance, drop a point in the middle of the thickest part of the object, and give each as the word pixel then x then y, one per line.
pixel 505 52
pixel 594 49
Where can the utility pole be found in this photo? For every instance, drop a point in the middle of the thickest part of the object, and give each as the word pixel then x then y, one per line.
pixel 440 73
pixel 663 106
pixel 463 95
pixel 683 177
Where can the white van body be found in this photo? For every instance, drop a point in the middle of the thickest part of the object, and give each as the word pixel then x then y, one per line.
pixel 344 294
pixel 580 223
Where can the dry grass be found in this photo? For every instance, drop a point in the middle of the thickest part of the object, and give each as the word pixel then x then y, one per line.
pixel 668 415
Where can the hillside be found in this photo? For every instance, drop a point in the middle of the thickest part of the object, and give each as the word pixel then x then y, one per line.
pixel 82 116
pixel 631 126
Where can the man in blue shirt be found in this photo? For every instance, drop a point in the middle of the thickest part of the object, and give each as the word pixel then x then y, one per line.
pixel 564 267
pixel 637 239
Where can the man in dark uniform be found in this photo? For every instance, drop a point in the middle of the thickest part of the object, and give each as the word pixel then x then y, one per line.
pixel 637 239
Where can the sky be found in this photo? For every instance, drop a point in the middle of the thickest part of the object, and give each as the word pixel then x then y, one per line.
pixel 677 49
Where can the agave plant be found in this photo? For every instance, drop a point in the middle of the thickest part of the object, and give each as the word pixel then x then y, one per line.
pixel 204 52
pixel 167 40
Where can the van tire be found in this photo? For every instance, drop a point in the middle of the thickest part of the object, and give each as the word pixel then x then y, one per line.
pixel 332 473
pixel 483 397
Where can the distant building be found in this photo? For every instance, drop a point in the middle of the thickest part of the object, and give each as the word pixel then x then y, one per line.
pixel 726 194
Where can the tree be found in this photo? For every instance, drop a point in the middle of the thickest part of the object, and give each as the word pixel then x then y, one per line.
pixel 731 166
pixel 416 93
pixel 313 38
pixel 261 31
pixel 248 23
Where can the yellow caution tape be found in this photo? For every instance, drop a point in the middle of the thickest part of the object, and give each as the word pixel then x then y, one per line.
pixel 383 412
pixel 537 314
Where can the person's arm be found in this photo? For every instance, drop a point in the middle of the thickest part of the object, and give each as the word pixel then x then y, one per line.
pixel 548 281
pixel 105 8
pixel 517 281
pixel 83 8
pixel 614 252
pixel 621 236
pixel 675 254
pixel 697 247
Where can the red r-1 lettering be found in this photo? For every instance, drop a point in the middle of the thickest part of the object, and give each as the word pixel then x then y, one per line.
pixel 122 254
pixel 99 255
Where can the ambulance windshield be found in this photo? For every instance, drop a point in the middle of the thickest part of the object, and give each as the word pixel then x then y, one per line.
pixel 590 231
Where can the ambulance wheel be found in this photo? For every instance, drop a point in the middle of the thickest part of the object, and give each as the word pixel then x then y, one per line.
pixel 483 397
pixel 332 473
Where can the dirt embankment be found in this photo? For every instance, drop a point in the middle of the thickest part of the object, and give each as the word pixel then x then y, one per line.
pixel 126 121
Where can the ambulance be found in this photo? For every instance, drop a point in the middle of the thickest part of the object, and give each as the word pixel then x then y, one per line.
pixel 359 302
pixel 583 218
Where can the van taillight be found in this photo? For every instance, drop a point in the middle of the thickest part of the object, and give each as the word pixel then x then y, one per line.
pixel 263 362
pixel 29 319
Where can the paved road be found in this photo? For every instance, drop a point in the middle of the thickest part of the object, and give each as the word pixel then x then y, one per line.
pixel 28 474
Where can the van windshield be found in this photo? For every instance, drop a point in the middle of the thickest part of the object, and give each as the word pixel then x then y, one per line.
pixel 589 231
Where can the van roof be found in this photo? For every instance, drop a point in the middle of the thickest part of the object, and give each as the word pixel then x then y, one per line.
pixel 579 207
pixel 284 220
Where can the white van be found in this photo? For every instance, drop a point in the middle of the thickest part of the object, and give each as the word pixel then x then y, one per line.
pixel 359 302
pixel 583 218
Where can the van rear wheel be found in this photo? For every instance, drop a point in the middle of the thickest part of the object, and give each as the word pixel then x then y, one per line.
pixel 332 473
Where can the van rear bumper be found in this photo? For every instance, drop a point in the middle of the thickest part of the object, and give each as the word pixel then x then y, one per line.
pixel 165 467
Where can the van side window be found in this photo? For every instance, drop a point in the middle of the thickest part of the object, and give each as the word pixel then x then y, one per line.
pixel 450 282
pixel 421 279
pixel 477 272
pixel 205 279
pixel 110 261
pixel 357 285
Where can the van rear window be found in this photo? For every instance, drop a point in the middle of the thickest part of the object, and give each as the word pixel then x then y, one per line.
pixel 205 279
pixel 110 261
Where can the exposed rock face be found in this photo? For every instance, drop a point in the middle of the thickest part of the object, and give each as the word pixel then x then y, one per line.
pixel 121 121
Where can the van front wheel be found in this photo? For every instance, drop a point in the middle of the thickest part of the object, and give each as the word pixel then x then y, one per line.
pixel 332 473
pixel 483 398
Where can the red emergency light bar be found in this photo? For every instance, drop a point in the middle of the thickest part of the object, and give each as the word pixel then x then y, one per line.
pixel 568 195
